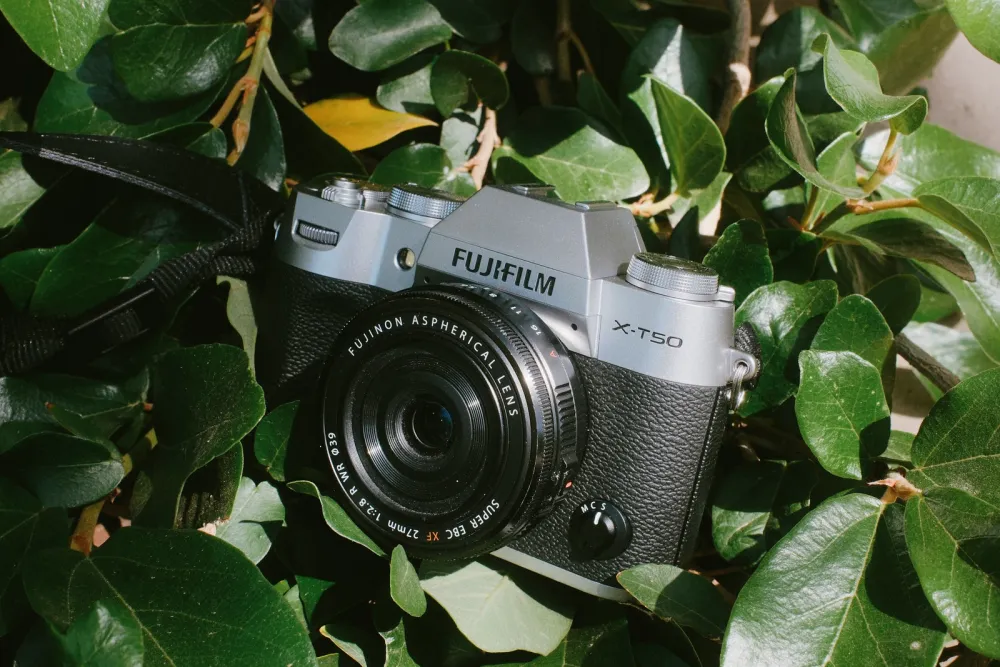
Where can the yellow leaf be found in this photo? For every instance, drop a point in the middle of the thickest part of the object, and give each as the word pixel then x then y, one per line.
pixel 358 122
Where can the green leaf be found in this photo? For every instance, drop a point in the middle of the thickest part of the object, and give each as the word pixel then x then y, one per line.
pixel 785 316
pixel 271 440
pixel 825 128
pixel 131 13
pixel 60 32
pixel 209 494
pixel 356 644
pixel 953 540
pixel 63 470
pixel 935 305
pixel 898 449
pixel 19 189
pixel 404 584
pixel 390 625
pixel 593 99
pixel 206 402
pixel 756 503
pixel 787 43
pixel 599 637
pixel 906 52
pixel 790 138
pixel 654 655
pixel 677 595
pixel 108 636
pixel 841 411
pixel 161 62
pixel 406 88
pixel 740 258
pixel 239 312
pixel 958 351
pixel 264 154
pixel 856 325
pixel 335 517
pixel 459 135
pixel 309 151
pixel 206 594
pixel 381 33
pixel 836 164
pixel 838 589
pixel 424 164
pixel 897 298
pixel 258 510
pixel 968 204
pixel 929 154
pixel 457 75
pixel 756 165
pixel 496 608
pixel 567 149
pixel 533 37
pixel 852 80
pixel 793 253
pixel 692 140
pixel 979 21
pixel 25 527
pixel 19 273
pixel 906 237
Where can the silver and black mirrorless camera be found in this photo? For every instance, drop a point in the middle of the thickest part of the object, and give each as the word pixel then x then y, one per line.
pixel 508 374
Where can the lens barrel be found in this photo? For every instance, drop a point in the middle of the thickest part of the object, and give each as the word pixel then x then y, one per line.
pixel 452 419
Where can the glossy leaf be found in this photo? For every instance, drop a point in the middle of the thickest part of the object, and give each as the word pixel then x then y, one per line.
pixel 19 189
pixel 898 449
pixel 740 258
pixel 788 42
pixel 239 312
pixel 229 605
pixel 404 584
pixel 677 595
pixel 381 33
pixel 256 513
pixel 852 80
pixel 692 140
pixel 836 164
pixel 161 62
pixel 406 88
pixel 60 32
pixel 25 527
pixel 479 597
pixel 63 470
pixel 426 165
pixel 206 402
pixel 756 165
pixel 897 298
pixel 108 636
pixel 599 637
pixel 19 273
pixel 335 517
pixel 790 138
pixel 856 325
pixel 532 37
pixel 272 437
pixel 785 316
pixel 264 154
pixel 969 204
pixel 841 411
pixel 131 13
pixel 593 99
pixel 459 135
pixel 793 253
pixel 458 75
pixel 357 123
pixel 838 589
pixel 565 148
pixel 309 150
pixel 958 351
pixel 979 21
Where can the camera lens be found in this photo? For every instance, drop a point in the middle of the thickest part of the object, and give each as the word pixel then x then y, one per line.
pixel 432 425
pixel 452 416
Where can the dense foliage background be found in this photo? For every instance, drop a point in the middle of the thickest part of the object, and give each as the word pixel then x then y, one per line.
pixel 847 224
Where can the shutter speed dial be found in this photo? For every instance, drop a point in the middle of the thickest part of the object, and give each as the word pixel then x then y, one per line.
pixel 598 530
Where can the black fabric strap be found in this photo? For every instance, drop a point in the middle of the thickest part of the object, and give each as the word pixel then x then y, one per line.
pixel 242 204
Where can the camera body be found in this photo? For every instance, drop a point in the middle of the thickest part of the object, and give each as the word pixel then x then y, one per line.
pixel 508 374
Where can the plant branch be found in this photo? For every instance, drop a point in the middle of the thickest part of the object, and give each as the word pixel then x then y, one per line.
pixel 886 165
pixel 564 26
pixel 488 140
pixel 588 66
pixel 251 80
pixel 861 206
pixel 738 71
pixel 645 207
pixel 928 366
pixel 807 215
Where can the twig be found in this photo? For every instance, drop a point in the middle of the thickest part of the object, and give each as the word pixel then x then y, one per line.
pixel 807 215
pixel 488 140
pixel 739 61
pixel 886 165
pixel 227 106
pixel 928 366
pixel 727 596
pixel 82 539
pixel 564 26
pixel 580 49
pixel 860 206
pixel 645 207
pixel 251 80
pixel 544 89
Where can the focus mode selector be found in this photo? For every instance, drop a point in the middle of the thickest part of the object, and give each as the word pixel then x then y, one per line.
pixel 598 530
pixel 672 276
pixel 415 202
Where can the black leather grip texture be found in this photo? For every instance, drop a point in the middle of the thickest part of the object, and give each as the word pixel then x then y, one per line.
pixel 651 451
pixel 301 315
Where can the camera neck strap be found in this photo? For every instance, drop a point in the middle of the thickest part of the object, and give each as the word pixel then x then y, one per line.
pixel 240 203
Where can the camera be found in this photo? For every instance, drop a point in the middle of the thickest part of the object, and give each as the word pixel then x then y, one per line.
pixel 508 373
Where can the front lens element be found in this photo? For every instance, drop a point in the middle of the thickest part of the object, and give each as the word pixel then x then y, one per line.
pixel 432 425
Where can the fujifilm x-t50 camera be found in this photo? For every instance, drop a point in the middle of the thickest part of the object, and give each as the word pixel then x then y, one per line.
pixel 508 374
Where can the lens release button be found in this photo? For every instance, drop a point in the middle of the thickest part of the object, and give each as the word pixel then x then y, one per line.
pixel 598 530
